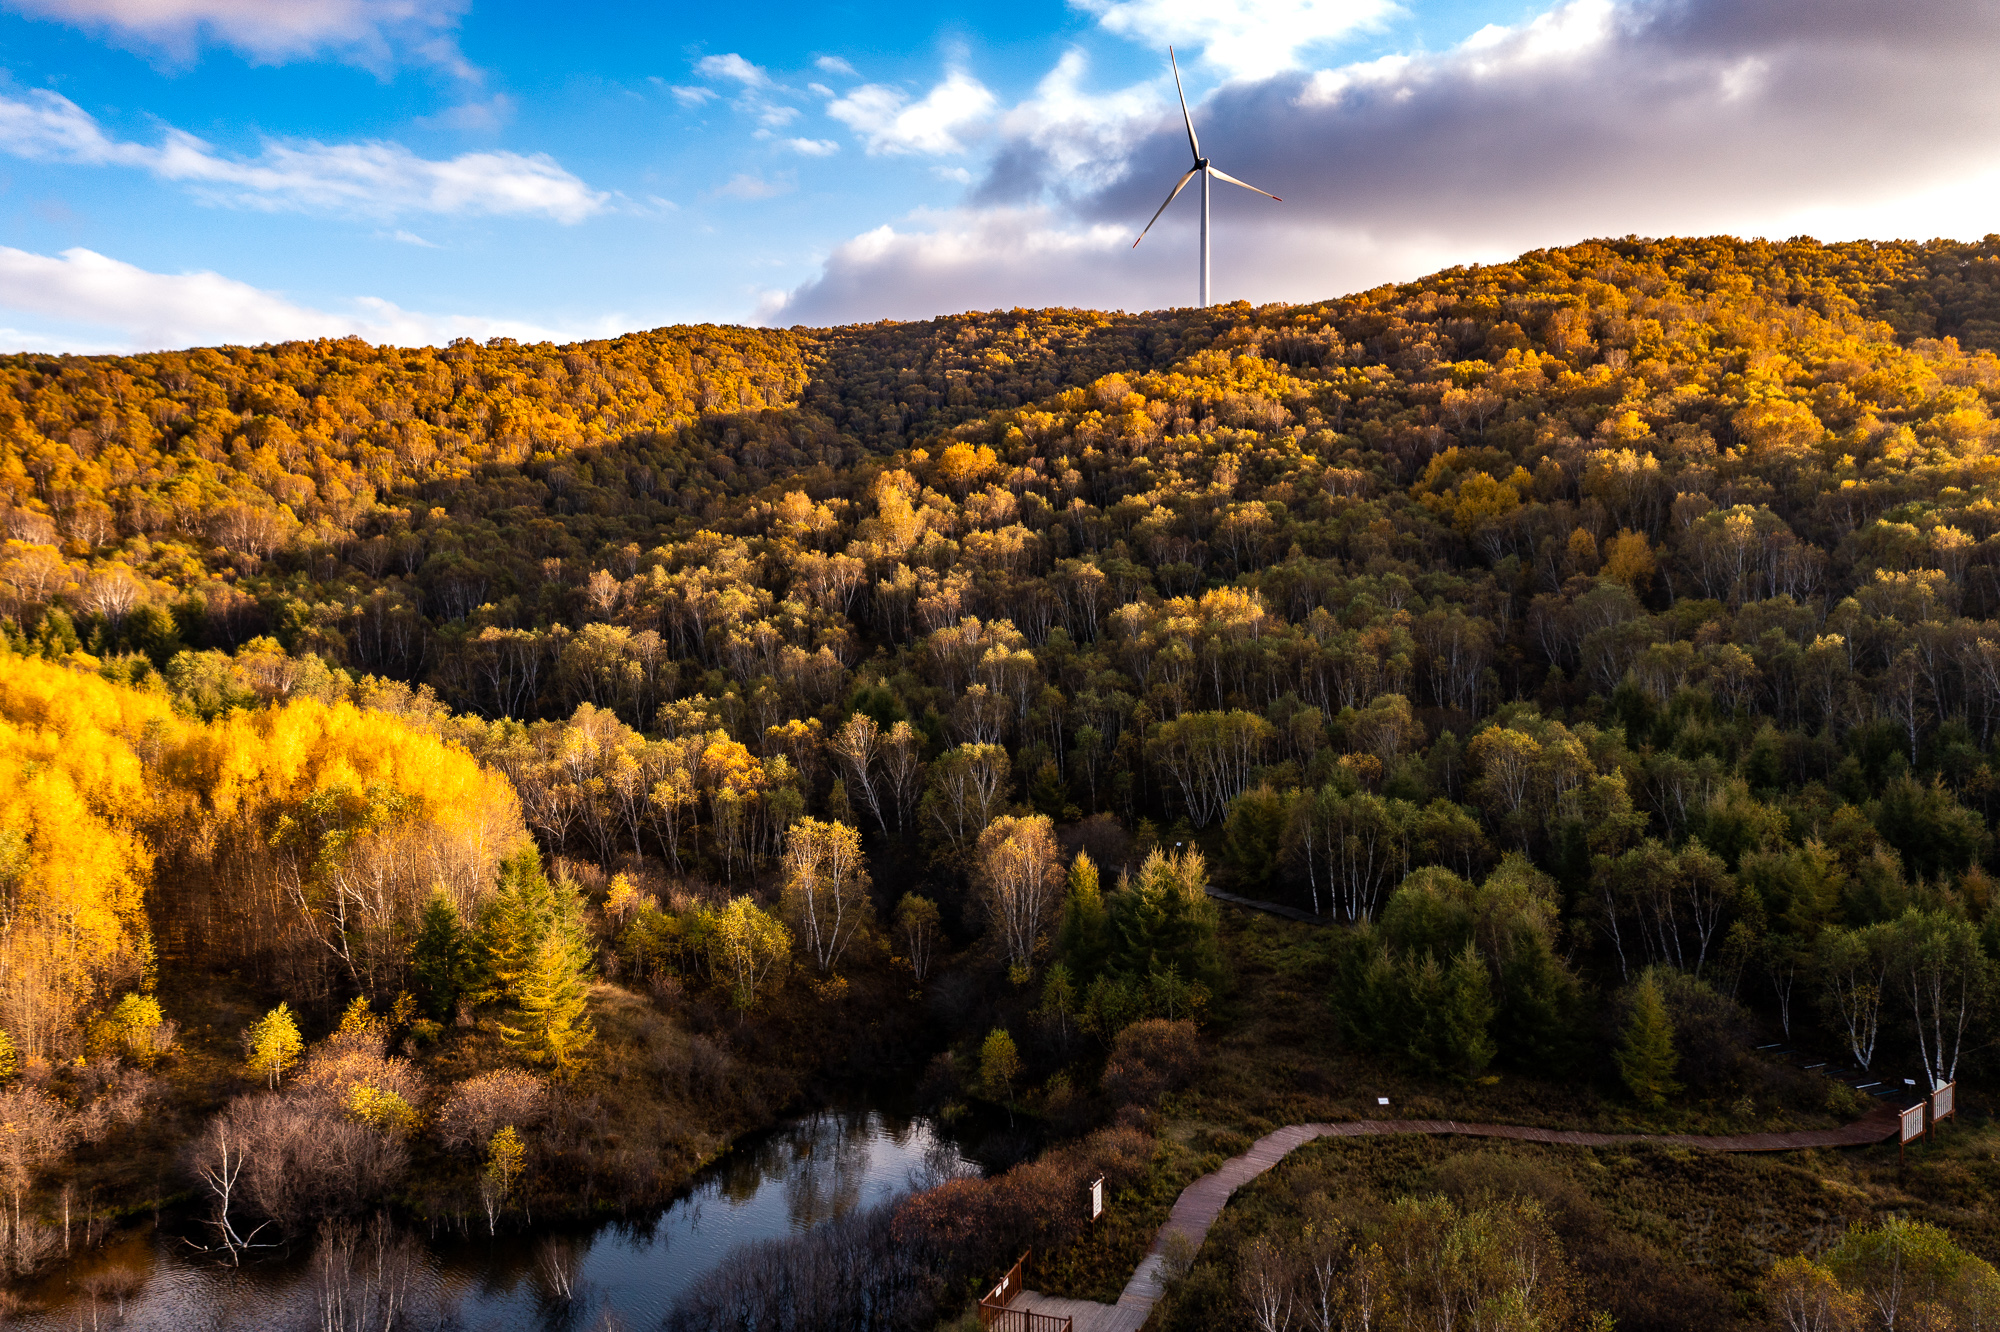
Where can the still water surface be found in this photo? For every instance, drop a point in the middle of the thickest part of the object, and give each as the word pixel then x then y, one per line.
pixel 621 1275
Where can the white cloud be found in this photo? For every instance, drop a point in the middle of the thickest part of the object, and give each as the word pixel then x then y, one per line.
pixel 732 66
pixel 372 33
pixel 412 238
pixel 963 260
pixel 1241 38
pixel 756 98
pixel 1067 138
pixel 746 185
pixel 813 147
pixel 835 65
pixel 473 117
pixel 94 303
pixel 1841 118
pixel 374 178
pixel 891 123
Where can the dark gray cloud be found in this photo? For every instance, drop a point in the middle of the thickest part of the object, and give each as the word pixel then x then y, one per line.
pixel 1839 117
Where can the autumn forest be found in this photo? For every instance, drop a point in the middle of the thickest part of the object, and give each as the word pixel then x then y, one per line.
pixel 447 789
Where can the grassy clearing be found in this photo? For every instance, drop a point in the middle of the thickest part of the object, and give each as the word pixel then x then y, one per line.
pixel 1659 1234
pixel 1277 1059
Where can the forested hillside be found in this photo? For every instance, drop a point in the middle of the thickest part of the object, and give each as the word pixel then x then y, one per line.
pixel 1608 640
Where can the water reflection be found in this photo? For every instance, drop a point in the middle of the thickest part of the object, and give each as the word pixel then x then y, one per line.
pixel 810 1171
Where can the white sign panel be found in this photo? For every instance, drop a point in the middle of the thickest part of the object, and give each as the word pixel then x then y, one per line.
pixel 1097 1197
pixel 1944 1101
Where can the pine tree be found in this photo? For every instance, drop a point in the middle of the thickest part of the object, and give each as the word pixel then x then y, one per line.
pixel 1539 1025
pixel 1646 1058
pixel 442 958
pixel 1467 1019
pixel 551 1019
pixel 512 924
pixel 1083 935
pixel 1165 917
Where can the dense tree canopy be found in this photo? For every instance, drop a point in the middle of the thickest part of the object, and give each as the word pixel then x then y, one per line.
pixel 1609 640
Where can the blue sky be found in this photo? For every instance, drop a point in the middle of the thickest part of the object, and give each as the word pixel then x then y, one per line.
pixel 185 171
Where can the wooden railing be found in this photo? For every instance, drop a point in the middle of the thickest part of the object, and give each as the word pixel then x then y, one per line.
pixel 995 1311
pixel 1022 1320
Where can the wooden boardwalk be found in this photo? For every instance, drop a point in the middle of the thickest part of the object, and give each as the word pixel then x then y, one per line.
pixel 1202 1202
pixel 1274 908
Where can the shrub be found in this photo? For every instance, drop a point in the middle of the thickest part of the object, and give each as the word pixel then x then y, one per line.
pixel 479 1106
pixel 1151 1059
pixel 355 1059
pixel 301 1158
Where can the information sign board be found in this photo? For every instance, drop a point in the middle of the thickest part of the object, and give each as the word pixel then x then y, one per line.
pixel 1944 1102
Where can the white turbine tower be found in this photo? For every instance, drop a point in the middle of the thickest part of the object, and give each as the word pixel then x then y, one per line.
pixel 1201 166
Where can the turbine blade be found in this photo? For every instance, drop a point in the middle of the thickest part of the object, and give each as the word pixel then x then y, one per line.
pixel 1163 207
pixel 1223 175
pixel 1186 119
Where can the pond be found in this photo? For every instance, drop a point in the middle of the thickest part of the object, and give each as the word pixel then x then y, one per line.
pixel 624 1274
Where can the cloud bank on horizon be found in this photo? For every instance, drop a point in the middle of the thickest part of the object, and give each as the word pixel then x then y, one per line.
pixel 1839 118
pixel 354 165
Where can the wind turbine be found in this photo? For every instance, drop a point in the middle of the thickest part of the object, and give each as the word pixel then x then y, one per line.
pixel 1201 166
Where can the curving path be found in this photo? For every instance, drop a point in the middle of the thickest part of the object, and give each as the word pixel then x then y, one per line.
pixel 1202 1202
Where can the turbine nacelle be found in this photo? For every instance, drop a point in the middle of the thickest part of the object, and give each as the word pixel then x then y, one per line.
pixel 1201 168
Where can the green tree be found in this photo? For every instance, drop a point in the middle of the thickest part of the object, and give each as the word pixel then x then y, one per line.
pixel 1645 1057
pixel 1083 936
pixel 1925 823
pixel 1057 1010
pixel 1465 1043
pixel 999 1065
pixel 442 958
pixel 1540 1023
pixel 1164 917
pixel 1943 977
pixel 522 912
pixel 1254 834
pixel 1853 970
pixel 273 1044
pixel 1909 1272
pixel 551 1015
